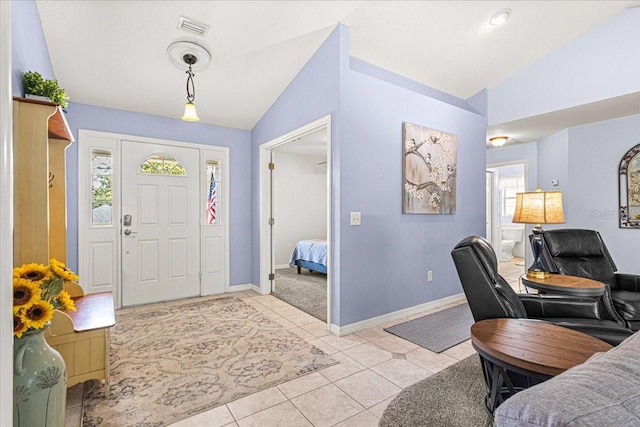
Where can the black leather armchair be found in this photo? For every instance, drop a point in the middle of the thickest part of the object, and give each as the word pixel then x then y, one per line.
pixel 490 296
pixel 582 253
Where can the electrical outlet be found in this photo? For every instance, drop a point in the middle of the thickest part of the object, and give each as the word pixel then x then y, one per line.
pixel 355 218
pixel 429 276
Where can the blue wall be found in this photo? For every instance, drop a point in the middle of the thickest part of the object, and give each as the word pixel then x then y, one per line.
pixel 380 266
pixel 30 51
pixel 82 116
pixel 600 64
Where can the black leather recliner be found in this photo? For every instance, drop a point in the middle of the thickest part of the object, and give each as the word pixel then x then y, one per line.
pixel 490 296
pixel 582 253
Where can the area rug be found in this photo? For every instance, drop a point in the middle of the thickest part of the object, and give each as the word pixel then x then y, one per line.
pixel 174 362
pixel 454 397
pixel 438 331
pixel 306 291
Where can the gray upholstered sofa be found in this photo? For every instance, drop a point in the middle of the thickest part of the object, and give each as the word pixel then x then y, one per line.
pixel 603 391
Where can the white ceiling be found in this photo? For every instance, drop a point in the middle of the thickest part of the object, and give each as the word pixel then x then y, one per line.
pixel 113 53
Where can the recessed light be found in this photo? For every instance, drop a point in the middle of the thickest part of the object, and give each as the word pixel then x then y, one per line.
pixel 500 17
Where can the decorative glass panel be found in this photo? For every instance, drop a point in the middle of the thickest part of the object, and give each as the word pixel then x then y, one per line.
pixel 162 164
pixel 213 211
pixel 510 185
pixel 101 187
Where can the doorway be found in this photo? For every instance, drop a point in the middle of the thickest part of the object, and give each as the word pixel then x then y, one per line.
pixel 294 207
pixel 508 239
pixel 145 229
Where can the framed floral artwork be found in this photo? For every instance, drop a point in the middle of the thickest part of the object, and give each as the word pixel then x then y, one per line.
pixel 429 170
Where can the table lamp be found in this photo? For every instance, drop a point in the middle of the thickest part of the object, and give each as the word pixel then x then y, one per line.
pixel 538 207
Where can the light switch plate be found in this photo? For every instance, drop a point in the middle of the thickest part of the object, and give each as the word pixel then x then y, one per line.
pixel 355 218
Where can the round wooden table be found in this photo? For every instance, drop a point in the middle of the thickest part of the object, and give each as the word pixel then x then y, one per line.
pixel 519 353
pixel 566 285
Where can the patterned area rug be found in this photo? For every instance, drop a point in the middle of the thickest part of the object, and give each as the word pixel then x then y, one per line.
pixel 178 361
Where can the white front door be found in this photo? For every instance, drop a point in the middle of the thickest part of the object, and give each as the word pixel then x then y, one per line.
pixel 160 223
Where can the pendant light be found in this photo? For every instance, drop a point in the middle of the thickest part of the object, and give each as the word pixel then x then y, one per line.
pixel 190 114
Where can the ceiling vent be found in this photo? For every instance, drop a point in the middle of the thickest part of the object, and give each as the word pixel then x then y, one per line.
pixel 192 26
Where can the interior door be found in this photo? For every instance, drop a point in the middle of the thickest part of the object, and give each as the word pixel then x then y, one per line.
pixel 160 223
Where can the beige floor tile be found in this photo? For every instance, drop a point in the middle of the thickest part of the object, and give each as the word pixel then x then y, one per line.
pixel 367 388
pixel 302 333
pixel 395 344
pixel 303 385
pixel 367 354
pixel 302 319
pixel 327 406
pixel 372 334
pixel 378 409
pixel 284 322
pixel 461 351
pixel 233 424
pixel 283 414
pixel 402 373
pixel 256 402
pixel 363 419
pixel 217 417
pixel 346 367
pixel 429 360
pixel 329 349
pixel 317 329
pixel 343 343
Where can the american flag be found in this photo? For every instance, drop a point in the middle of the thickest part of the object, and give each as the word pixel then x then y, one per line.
pixel 211 202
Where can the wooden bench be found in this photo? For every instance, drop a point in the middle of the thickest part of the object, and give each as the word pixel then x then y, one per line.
pixel 82 336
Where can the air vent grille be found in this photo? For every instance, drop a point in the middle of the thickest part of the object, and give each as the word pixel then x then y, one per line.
pixel 192 26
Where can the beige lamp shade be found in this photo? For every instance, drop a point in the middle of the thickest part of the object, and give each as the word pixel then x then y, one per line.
pixel 539 207
pixel 190 114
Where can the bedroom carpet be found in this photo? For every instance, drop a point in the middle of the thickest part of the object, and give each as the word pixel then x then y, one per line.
pixel 438 331
pixel 171 361
pixel 306 291
pixel 454 397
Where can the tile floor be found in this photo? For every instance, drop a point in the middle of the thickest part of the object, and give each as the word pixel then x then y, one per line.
pixel 374 367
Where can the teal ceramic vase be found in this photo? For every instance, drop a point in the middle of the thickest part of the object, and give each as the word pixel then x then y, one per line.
pixel 39 382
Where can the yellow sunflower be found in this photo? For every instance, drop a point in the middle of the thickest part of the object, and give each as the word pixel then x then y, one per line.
pixel 25 292
pixel 34 272
pixel 62 271
pixel 19 326
pixel 65 301
pixel 38 314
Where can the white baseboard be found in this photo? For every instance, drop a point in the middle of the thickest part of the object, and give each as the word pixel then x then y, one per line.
pixel 240 288
pixel 281 266
pixel 378 320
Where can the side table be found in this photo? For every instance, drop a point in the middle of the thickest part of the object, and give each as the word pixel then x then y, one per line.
pixel 519 353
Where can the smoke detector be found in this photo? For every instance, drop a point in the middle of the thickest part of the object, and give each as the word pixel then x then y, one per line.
pixel 178 50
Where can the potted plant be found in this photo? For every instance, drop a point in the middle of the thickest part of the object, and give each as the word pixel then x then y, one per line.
pixel 34 84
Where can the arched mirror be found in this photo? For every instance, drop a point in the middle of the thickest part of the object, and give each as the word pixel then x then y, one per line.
pixel 629 171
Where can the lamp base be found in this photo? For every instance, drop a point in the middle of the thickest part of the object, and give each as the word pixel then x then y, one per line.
pixel 537 274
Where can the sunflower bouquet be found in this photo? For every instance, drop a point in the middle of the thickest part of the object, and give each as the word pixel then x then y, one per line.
pixel 37 293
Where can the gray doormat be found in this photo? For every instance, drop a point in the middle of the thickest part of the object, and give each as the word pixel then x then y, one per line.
pixel 438 331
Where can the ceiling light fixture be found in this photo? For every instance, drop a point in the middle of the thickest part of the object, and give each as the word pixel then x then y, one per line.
pixel 500 17
pixel 498 141
pixel 190 114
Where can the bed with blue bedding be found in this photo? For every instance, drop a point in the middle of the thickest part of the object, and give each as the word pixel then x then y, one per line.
pixel 310 254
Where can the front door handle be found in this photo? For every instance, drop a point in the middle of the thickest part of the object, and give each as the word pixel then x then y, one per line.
pixel 128 232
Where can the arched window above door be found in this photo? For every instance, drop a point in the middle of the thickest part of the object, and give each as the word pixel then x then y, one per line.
pixel 162 164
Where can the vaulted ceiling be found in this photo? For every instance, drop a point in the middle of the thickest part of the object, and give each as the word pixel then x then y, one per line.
pixel 113 53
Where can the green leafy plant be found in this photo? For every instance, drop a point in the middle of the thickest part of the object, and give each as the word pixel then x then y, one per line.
pixel 34 84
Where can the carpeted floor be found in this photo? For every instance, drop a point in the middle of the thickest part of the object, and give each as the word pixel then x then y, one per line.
pixel 438 331
pixel 180 360
pixel 454 397
pixel 306 291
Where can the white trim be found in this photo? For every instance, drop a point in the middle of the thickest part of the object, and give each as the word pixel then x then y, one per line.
pixel 245 287
pixel 264 156
pixel 281 266
pixel 6 217
pixel 395 315
pixel 117 214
